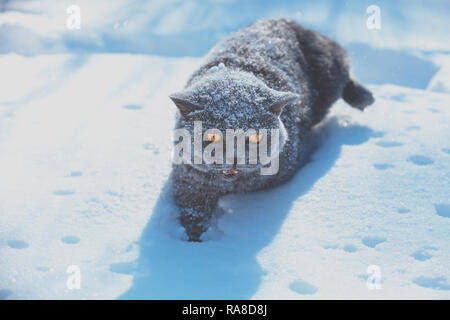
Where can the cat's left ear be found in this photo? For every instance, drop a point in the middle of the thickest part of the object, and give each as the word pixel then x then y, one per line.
pixel 278 106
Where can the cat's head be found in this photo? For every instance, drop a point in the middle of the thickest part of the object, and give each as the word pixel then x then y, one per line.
pixel 238 101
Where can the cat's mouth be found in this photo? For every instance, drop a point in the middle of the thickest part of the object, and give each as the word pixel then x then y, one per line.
pixel 227 172
pixel 230 173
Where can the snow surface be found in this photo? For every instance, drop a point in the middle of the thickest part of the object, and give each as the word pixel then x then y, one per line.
pixel 191 27
pixel 85 164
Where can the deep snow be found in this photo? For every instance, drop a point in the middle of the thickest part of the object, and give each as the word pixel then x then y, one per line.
pixel 85 164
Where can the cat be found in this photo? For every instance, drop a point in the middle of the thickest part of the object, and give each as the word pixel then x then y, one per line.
pixel 273 74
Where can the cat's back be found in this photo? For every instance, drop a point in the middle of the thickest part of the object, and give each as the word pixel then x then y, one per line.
pixel 268 48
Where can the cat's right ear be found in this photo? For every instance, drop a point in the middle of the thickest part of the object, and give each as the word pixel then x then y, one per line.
pixel 183 105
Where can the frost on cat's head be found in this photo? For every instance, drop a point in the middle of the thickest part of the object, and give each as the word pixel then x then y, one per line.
pixel 229 94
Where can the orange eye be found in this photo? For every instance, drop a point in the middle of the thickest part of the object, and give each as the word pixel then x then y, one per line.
pixel 213 137
pixel 255 138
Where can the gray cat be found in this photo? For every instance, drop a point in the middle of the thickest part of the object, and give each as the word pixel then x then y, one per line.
pixel 274 74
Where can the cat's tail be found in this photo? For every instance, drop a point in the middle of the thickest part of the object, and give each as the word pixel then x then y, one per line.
pixel 356 95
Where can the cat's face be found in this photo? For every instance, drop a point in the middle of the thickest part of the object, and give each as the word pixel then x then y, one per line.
pixel 234 118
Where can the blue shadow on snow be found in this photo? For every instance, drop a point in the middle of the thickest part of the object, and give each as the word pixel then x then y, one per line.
pixel 227 268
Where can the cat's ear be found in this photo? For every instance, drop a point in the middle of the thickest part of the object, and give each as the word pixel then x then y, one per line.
pixel 278 106
pixel 183 104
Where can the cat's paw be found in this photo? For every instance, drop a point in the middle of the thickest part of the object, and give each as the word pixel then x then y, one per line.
pixel 195 223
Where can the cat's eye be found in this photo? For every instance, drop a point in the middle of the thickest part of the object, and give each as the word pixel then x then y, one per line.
pixel 213 137
pixel 255 138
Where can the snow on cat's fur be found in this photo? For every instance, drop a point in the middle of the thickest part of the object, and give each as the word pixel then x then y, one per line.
pixel 274 74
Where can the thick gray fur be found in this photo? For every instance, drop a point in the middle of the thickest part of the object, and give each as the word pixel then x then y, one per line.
pixel 263 64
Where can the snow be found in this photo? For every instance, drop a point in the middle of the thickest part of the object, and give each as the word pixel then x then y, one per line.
pixel 441 80
pixel 85 164
pixel 180 28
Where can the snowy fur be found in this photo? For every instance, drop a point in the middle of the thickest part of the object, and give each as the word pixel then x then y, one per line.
pixel 243 76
